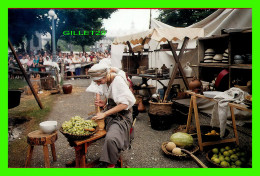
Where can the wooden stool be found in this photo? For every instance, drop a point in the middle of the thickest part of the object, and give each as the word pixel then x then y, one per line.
pixel 39 138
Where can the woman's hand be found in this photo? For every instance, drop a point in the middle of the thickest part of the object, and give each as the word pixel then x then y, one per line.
pixel 99 116
pixel 100 103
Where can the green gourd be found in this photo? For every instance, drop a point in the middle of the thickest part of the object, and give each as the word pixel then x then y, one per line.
pixel 182 140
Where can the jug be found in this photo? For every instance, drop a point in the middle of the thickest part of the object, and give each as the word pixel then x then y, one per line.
pixel 187 70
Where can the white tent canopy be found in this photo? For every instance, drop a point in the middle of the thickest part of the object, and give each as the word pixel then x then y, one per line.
pixel 162 33
pixel 225 19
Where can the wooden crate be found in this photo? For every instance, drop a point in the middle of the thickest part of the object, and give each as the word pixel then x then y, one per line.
pixel 47 83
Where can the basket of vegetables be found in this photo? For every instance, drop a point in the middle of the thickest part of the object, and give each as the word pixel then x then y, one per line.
pixel 78 128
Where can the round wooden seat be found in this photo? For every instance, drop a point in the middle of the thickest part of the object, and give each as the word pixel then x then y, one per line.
pixel 39 138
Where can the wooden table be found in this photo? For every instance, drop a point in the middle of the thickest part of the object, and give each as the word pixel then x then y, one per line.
pixel 81 149
pixel 193 106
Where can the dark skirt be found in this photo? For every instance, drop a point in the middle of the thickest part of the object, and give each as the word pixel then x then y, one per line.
pixel 118 134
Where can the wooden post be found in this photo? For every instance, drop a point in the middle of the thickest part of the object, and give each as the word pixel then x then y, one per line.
pixel 24 74
pixel 177 66
pixel 62 70
pixel 189 115
pixel 178 58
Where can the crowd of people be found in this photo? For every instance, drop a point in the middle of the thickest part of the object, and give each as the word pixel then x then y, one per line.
pixel 42 61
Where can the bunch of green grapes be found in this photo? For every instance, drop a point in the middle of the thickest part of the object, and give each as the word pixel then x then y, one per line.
pixel 78 126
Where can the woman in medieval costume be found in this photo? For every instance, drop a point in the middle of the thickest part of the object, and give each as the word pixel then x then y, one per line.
pixel 117 112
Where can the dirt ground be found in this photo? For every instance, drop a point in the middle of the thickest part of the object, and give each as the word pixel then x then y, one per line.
pixel 145 151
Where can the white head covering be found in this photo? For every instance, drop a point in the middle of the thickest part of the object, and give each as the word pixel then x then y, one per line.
pixel 98 71
pixel 106 61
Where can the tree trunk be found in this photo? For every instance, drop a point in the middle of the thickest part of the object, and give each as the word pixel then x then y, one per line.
pixel 83 48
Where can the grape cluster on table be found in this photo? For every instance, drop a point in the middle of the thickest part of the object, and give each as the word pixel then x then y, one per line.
pixel 77 125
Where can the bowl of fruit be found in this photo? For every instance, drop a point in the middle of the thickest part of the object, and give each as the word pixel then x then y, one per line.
pixel 228 157
pixel 78 128
pixel 209 133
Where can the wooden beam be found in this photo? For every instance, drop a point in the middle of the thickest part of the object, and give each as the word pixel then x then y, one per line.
pixel 24 74
pixel 177 66
pixel 179 57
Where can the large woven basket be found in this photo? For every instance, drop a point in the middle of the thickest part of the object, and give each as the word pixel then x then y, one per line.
pixel 193 149
pixel 77 137
pixel 160 108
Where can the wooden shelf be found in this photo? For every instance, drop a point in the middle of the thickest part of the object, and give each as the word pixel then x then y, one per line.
pixel 241 66
pixel 214 65
pixel 188 49
pixel 139 52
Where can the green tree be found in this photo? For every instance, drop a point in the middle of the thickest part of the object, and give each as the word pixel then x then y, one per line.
pixel 183 17
pixel 82 20
pixel 24 23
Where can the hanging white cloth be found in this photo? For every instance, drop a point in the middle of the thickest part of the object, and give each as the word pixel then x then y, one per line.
pixel 220 109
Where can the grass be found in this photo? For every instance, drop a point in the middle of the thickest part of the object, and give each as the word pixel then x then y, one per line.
pixel 16 83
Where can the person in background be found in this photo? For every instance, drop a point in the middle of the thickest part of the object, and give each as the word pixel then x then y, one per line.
pixel 42 69
pixel 35 63
pixel 101 48
pixel 29 64
pixel 77 65
pixel 59 57
pixel 47 63
pixel 82 57
pixel 24 61
pixel 71 66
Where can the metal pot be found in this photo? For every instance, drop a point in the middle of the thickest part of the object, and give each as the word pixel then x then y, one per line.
pixel 14 97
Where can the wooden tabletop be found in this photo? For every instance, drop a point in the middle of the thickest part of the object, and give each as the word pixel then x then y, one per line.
pixel 97 135
pixel 189 92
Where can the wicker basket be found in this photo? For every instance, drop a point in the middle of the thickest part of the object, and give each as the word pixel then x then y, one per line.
pixel 193 149
pixel 160 108
pixel 77 137
pixel 208 156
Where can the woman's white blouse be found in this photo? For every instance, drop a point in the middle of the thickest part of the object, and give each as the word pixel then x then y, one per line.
pixel 120 92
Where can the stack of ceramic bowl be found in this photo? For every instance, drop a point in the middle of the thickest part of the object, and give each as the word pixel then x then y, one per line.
pixel 209 54
pixel 218 58
pixel 238 59
pixel 225 57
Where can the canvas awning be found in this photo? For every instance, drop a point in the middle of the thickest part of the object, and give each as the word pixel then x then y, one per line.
pixel 161 35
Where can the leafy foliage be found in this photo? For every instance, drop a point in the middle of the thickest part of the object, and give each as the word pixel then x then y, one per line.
pixel 183 17
pixel 25 22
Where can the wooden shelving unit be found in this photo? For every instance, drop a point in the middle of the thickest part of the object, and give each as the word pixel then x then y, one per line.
pixel 187 49
pixel 238 43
